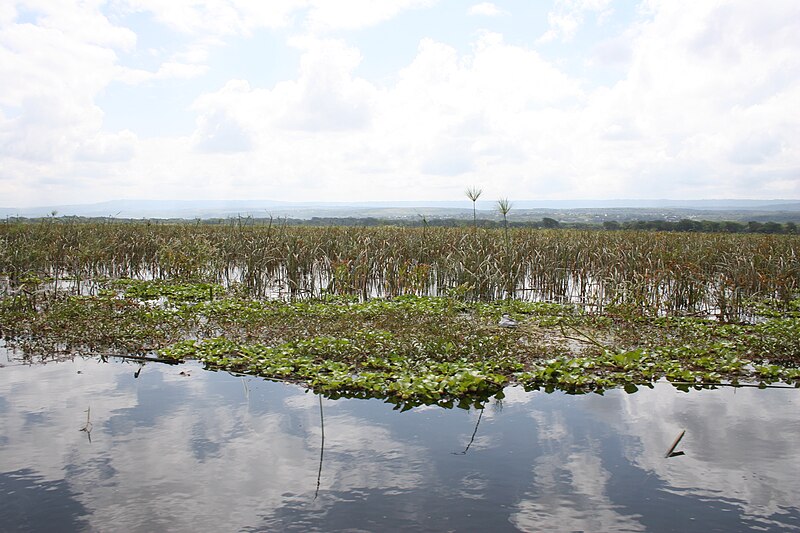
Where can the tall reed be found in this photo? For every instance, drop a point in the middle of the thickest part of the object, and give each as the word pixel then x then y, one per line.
pixel 643 272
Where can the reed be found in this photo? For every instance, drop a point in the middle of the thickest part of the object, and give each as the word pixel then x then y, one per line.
pixel 473 193
pixel 629 272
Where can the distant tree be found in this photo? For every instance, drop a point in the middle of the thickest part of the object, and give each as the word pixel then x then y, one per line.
pixel 754 227
pixel 688 225
pixel 790 227
pixel 611 225
pixel 550 223
pixel 663 225
pixel 732 227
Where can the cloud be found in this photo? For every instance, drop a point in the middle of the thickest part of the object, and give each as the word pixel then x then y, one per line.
pixel 614 51
pixel 353 14
pixel 242 17
pixel 486 9
pixel 52 72
pixel 698 107
pixel 108 147
pixel 219 126
pixel 219 133
pixel 451 157
pixel 39 60
pixel 169 70
pixel 8 13
pixel 671 125
pixel 567 16
pixel 82 21
pixel 471 109
pixel 755 148
pixel 217 17
pixel 324 97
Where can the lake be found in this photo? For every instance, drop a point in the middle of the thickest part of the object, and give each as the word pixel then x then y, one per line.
pixel 119 446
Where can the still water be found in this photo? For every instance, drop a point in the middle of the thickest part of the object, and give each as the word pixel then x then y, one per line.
pixel 92 446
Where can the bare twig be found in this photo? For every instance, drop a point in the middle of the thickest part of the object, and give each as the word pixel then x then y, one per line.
pixel 671 452
pixel 88 426
pixel 472 439
pixel 321 447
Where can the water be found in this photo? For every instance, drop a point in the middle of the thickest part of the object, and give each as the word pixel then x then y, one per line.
pixel 182 449
pixel 711 298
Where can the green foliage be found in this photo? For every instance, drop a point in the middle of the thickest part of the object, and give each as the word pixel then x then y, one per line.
pixel 412 315
pixel 408 349
pixel 172 292
pixel 363 365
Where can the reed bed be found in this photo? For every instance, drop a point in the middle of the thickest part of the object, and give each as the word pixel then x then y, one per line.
pixel 647 273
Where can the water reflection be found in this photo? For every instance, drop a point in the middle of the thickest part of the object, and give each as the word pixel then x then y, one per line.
pixel 178 448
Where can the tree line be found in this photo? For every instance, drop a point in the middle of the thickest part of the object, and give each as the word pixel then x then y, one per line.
pixel 684 225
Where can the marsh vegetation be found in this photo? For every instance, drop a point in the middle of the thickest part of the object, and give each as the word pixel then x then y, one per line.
pixel 411 314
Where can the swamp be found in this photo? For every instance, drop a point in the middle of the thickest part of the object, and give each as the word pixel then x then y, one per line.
pixel 423 378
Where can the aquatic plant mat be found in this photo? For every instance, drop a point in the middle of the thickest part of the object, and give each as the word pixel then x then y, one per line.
pixel 412 315
pixel 410 350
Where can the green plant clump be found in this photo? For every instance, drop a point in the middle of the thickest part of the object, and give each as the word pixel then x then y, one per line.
pixel 408 349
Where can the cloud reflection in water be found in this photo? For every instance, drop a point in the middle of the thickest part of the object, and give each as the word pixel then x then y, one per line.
pixel 222 452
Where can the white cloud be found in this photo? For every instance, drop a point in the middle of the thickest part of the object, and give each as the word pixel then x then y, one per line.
pixel 326 95
pixel 615 51
pixel 702 96
pixel 168 70
pixel 8 13
pixel 217 17
pixel 38 61
pixel 108 147
pixel 567 16
pixel 80 21
pixel 700 108
pixel 353 14
pixel 219 128
pixel 486 9
pixel 52 72
pixel 241 17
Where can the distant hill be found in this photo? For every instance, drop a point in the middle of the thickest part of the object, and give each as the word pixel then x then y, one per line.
pixel 562 210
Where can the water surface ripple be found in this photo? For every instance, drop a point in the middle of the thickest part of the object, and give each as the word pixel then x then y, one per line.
pixel 92 446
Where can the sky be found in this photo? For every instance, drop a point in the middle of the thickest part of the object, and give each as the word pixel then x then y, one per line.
pixel 367 100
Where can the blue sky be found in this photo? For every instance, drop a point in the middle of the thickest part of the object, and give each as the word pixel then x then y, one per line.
pixel 312 100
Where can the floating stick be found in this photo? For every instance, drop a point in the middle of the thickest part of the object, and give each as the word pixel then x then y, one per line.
pixel 675 445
